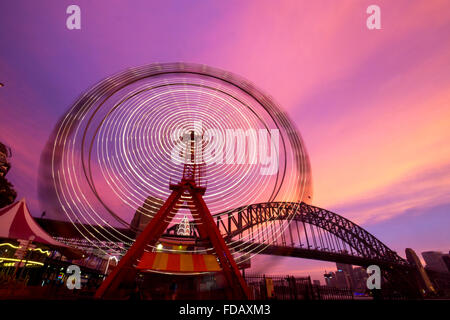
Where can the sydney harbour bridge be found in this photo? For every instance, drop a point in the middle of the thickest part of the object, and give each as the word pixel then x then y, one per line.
pixel 313 233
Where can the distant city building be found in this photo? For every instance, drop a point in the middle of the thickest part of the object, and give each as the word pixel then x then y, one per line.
pixel 343 280
pixel 344 267
pixel 330 279
pixel 360 279
pixel 434 261
pixel 424 280
pixel 347 277
pixel 5 154
pixel 316 282
pixel 344 275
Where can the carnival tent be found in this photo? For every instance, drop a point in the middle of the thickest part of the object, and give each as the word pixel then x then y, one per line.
pixel 16 222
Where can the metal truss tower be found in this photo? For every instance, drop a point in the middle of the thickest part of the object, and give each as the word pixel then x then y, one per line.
pixel 126 271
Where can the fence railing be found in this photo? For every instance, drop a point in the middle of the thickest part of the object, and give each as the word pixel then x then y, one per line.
pixel 265 287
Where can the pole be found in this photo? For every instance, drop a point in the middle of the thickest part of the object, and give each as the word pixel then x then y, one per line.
pixel 30 240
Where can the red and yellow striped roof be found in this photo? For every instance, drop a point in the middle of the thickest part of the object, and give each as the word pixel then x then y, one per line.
pixel 178 262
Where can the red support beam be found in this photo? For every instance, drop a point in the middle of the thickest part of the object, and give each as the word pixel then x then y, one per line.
pixel 237 287
pixel 149 236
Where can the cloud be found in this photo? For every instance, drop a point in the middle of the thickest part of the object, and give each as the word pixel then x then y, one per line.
pixel 420 189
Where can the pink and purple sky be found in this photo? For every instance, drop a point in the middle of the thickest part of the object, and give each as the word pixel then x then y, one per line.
pixel 373 106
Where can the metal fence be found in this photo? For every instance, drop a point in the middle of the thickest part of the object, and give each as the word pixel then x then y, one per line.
pixel 264 287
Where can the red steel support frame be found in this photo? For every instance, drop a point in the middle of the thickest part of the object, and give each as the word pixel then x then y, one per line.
pixel 237 287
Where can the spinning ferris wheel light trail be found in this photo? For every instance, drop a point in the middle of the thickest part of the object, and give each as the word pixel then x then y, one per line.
pixel 117 148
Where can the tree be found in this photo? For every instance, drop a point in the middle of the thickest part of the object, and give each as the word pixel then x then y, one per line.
pixel 7 192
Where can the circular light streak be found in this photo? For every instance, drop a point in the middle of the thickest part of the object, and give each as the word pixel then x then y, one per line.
pixel 114 152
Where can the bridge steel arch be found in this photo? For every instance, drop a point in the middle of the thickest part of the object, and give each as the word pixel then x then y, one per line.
pixel 369 249
pixel 363 248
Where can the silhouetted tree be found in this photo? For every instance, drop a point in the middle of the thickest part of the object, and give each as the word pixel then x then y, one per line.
pixel 7 192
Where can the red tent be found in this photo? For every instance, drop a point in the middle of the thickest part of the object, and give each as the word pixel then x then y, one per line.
pixel 16 222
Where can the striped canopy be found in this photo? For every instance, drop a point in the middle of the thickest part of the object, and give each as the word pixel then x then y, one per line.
pixel 178 262
pixel 16 222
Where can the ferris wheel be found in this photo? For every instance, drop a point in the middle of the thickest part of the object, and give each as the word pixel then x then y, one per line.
pixel 117 149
